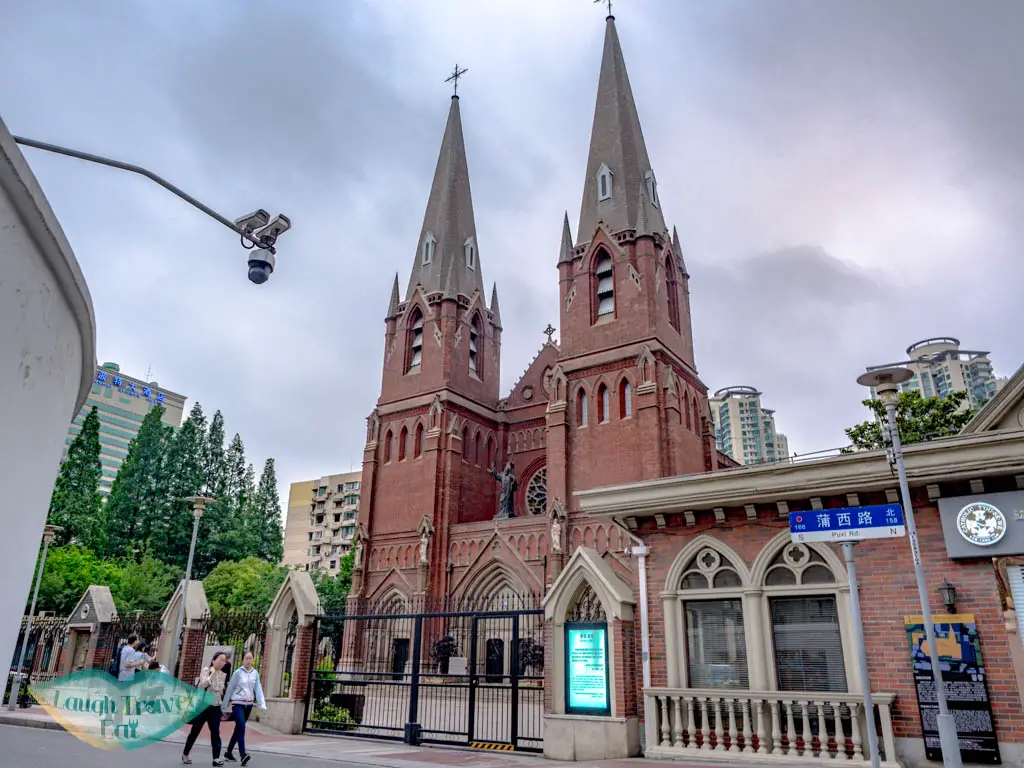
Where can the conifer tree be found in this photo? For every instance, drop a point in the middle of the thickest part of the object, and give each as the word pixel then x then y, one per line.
pixel 186 476
pixel 266 515
pixel 216 466
pixel 136 504
pixel 222 531
pixel 76 504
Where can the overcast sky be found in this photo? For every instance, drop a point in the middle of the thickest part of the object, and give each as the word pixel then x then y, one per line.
pixel 846 178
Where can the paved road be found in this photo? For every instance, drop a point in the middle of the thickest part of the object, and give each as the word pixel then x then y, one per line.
pixel 37 748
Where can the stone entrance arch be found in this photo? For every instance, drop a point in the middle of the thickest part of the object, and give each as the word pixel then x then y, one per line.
pixel 589 590
pixel 290 629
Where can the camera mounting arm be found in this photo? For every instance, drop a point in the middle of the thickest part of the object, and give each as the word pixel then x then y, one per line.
pixel 245 234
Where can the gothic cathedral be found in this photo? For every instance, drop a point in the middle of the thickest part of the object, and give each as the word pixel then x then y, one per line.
pixel 468 495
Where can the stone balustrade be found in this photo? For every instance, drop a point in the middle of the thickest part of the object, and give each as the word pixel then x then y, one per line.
pixel 765 726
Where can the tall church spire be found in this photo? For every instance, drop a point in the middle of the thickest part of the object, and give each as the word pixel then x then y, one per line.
pixel 618 164
pixel 447 255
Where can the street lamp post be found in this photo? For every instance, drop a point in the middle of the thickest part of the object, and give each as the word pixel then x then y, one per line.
pixel 886 382
pixel 198 503
pixel 49 532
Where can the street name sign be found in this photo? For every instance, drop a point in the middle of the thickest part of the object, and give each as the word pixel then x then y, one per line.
pixel 881 521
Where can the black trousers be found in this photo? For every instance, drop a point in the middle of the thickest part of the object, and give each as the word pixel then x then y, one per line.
pixel 240 714
pixel 210 717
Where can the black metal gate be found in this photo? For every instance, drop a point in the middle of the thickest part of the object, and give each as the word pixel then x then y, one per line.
pixel 455 673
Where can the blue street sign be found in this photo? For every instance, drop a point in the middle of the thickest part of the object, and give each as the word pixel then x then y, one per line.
pixel 882 521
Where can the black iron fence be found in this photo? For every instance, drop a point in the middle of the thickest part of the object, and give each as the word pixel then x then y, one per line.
pixel 45 641
pixel 452 672
pixel 241 630
pixel 113 635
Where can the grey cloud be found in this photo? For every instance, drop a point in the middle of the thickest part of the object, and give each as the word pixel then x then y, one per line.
pixel 888 135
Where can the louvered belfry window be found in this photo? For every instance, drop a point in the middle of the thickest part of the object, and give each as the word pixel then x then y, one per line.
pixel 416 343
pixel 605 285
pixel 808 644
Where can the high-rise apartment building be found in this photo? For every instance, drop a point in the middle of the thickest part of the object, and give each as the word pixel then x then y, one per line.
pixel 743 429
pixel 122 402
pixel 940 368
pixel 322 517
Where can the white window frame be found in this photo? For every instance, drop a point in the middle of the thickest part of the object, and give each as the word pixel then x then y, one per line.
pixel 652 187
pixel 469 248
pixel 427 252
pixel 605 173
pixel 757 626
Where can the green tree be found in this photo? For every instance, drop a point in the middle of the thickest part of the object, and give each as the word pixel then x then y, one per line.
pixel 68 573
pixel 333 590
pixel 248 584
pixel 224 534
pixel 76 504
pixel 266 515
pixel 918 419
pixel 216 466
pixel 143 585
pixel 185 470
pixel 135 509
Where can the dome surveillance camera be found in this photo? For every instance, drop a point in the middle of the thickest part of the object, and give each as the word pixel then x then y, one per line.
pixel 261 266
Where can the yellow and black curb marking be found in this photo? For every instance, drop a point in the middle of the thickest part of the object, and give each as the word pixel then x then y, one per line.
pixel 487 745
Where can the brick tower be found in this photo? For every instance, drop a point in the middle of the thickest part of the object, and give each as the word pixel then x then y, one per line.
pixel 626 403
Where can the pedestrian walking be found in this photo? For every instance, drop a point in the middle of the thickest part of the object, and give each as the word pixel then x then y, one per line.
pixel 128 658
pixel 211 679
pixel 243 691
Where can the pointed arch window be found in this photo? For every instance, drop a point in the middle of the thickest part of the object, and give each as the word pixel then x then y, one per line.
pixel 604 404
pixel 465 444
pixel 605 288
pixel 416 339
pixel 475 343
pixel 672 285
pixel 470 250
pixel 403 440
pixel 417 446
pixel 625 400
pixel 652 188
pixel 581 408
pixel 427 250
pixel 604 183
pixel 387 446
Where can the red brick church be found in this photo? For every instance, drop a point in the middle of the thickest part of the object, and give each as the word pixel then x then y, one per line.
pixel 617 399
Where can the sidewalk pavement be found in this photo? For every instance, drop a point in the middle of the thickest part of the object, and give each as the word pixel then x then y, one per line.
pixel 263 739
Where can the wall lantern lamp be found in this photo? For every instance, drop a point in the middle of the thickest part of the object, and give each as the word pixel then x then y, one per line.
pixel 948 593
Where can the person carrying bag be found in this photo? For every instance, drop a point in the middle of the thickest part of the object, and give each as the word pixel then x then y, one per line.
pixel 242 693
pixel 211 679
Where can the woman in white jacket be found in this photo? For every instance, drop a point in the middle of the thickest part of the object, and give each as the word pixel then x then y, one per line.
pixel 243 691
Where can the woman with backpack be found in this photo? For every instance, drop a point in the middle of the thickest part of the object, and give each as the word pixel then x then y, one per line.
pixel 211 679
pixel 243 691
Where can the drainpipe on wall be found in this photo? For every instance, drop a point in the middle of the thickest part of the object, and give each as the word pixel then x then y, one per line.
pixel 640 552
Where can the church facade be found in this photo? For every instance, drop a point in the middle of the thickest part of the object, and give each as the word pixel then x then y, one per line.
pixel 468 492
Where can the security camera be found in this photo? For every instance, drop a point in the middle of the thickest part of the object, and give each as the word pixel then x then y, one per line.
pixel 253 220
pixel 261 265
pixel 269 234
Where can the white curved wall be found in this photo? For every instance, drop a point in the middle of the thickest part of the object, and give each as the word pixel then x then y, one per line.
pixel 47 360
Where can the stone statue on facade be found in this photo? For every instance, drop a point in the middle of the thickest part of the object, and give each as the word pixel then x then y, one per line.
pixel 424 545
pixel 556 535
pixel 507 479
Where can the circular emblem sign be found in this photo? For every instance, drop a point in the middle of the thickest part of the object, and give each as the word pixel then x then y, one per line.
pixel 980 523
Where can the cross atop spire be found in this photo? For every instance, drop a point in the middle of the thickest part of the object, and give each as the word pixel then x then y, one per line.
pixel 457 73
pixel 609 4
pixel 618 165
pixel 447 254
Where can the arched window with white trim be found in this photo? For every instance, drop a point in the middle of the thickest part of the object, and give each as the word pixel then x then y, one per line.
pixel 427 249
pixel 581 407
pixel 805 628
pixel 716 645
pixel 470 252
pixel 604 404
pixel 604 183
